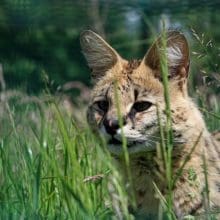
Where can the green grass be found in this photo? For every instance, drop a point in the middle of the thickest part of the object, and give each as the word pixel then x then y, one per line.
pixel 52 168
pixel 44 168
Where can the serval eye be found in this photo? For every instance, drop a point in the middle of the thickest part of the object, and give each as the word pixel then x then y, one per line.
pixel 103 105
pixel 141 106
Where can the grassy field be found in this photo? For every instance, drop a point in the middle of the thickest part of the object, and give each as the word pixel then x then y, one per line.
pixel 53 167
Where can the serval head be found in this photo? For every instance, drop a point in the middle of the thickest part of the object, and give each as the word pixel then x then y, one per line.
pixel 135 88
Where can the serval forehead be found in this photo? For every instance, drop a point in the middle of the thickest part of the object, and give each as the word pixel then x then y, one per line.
pixel 131 66
pixel 120 75
pixel 132 76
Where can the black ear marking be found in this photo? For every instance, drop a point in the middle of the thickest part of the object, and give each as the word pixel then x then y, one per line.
pixel 135 94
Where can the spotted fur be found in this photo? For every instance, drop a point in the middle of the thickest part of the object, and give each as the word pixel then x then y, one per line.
pixel 140 81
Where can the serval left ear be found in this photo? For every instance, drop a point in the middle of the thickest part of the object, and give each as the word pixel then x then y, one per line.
pixel 177 53
pixel 99 54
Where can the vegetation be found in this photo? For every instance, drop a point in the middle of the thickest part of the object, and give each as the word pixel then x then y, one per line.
pixel 51 165
pixel 53 169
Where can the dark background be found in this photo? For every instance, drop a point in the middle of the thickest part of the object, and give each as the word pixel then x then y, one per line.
pixel 39 40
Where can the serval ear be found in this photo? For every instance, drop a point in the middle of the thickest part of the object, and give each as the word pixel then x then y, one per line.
pixel 177 53
pixel 99 54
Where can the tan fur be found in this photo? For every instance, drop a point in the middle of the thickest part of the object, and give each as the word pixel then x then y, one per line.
pixel 137 81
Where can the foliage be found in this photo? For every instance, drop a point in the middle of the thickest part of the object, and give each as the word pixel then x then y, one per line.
pixel 42 37
pixel 52 168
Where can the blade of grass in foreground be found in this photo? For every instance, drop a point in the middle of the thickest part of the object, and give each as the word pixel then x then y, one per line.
pixel 168 125
pixel 124 146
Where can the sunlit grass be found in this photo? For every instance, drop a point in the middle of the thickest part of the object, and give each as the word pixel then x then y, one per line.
pixel 55 169
pixel 52 167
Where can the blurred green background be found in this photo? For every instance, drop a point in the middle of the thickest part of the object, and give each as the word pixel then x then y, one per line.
pixel 40 38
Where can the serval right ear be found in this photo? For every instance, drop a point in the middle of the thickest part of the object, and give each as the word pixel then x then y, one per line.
pixel 99 54
pixel 177 52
